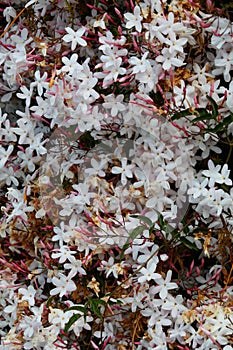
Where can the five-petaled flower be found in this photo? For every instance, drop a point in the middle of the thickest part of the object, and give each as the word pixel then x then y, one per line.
pixel 134 20
pixel 75 37
pixel 125 170
pixel 164 285
pixel 215 176
pixel 64 285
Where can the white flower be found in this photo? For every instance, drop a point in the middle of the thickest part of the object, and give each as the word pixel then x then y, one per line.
pixel 222 200
pixel 169 59
pixel 176 45
pixel 81 323
pixel 163 286
pixel 12 308
pixel 8 132
pixel 96 168
pixel 25 127
pixel 86 89
pixel 29 3
pixel 150 76
pixel 59 317
pixel 40 82
pixel 201 73
pixel 30 325
pixel 84 195
pixel 113 72
pixel 4 155
pixel 25 95
pixel 28 294
pixel 139 65
pixel 215 176
pixel 148 273
pixel 9 176
pixel 27 160
pixel 9 12
pixel 64 285
pixel 221 29
pixel 197 189
pixel 134 20
pixel 75 37
pixel 71 65
pixel 115 103
pixel 109 267
pixel 75 266
pixel 125 170
pixel 21 41
pixel 224 64
pixel 60 235
pixel 229 101
pixel 175 305
pixel 136 301
pixel 168 26
pixel 36 143
pixel 63 253
pixel 100 22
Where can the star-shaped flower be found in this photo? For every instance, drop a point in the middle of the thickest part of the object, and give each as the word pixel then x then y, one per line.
pixel 134 20
pixel 75 37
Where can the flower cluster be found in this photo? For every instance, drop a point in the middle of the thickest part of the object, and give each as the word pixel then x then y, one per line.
pixel 116 188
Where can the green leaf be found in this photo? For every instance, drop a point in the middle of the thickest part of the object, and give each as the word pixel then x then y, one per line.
pixel 188 244
pixel 203 115
pixel 49 301
pixel 161 222
pixel 181 114
pixel 95 304
pixel 165 225
pixel 144 219
pixel 151 228
pixel 214 107
pixel 219 127
pixel 137 231
pixel 228 120
pixel 202 112
pixel 71 321
pixel 157 98
pixel 75 317
pixel 117 302
pixel 78 308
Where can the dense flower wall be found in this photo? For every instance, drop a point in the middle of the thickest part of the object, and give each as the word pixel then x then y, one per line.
pixel 115 175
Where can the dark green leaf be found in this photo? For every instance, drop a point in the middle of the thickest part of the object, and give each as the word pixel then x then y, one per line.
pixel 228 120
pixel 188 244
pixel 202 112
pixel 217 128
pixel 157 98
pixel 95 306
pixel 202 115
pixel 161 222
pixel 71 321
pixel 99 301
pixel 214 107
pixel 151 228
pixel 181 114
pixel 49 301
